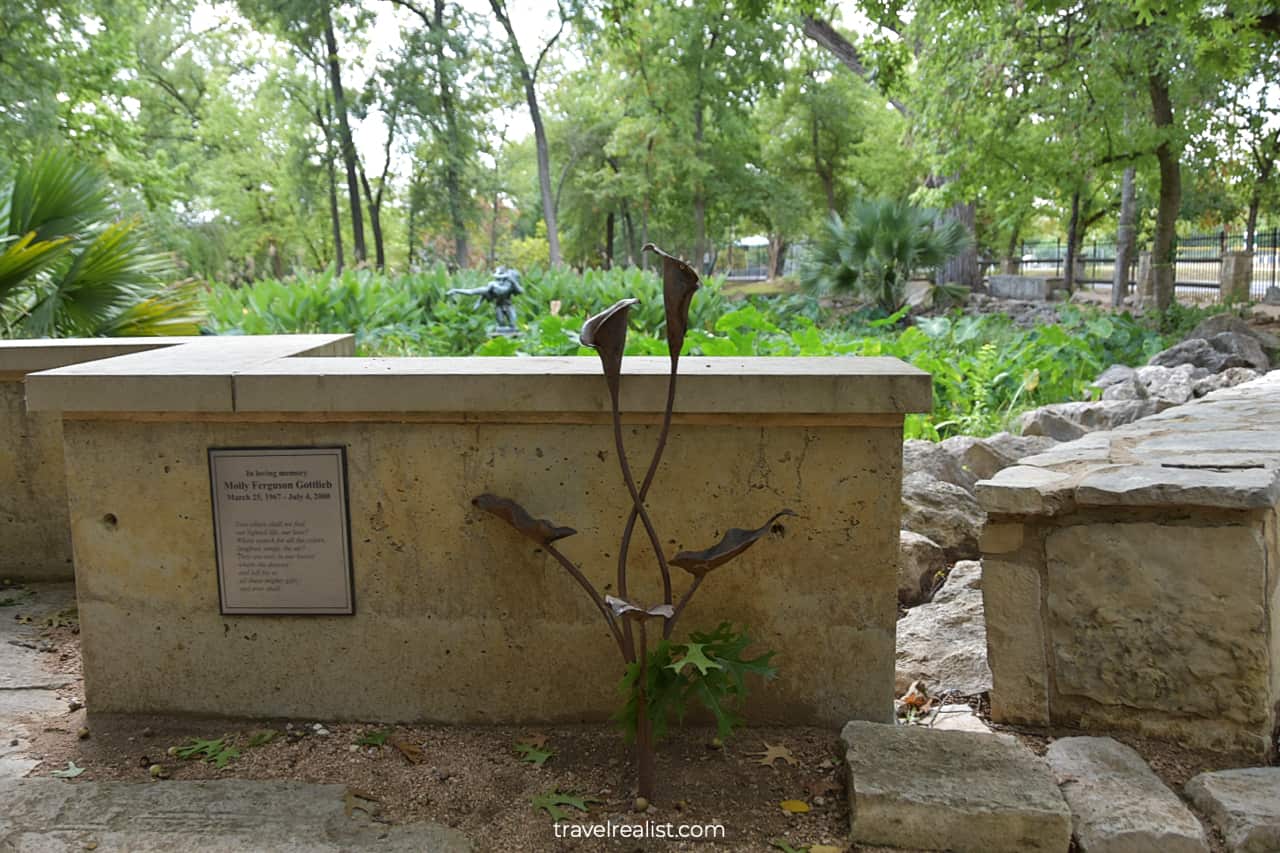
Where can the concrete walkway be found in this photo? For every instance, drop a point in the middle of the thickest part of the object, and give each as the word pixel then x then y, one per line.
pixel 29 692
pixel 222 816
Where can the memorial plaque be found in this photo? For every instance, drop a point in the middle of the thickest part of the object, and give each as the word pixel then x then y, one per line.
pixel 282 529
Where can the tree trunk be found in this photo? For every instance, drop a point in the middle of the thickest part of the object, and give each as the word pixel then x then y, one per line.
pixel 335 214
pixel 452 179
pixel 962 268
pixel 375 220
pixel 493 230
pixel 1125 234
pixel 539 133
pixel 777 255
pixel 1251 221
pixel 608 241
pixel 1163 257
pixel 699 197
pixel 1073 244
pixel 344 138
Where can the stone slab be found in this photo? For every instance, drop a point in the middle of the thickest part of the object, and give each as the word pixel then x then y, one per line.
pixel 1028 287
pixel 573 384
pixel 1172 485
pixel 191 377
pixel 1025 490
pixel 219 816
pixel 1118 805
pixel 915 787
pixel 28 356
pixel 1243 804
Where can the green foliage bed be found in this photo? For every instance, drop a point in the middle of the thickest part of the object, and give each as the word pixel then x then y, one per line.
pixel 986 370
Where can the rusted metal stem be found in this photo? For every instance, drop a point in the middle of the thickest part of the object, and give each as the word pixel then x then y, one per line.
pixel 646 760
pixel 644 490
pixel 670 626
pixel 638 508
pixel 595 596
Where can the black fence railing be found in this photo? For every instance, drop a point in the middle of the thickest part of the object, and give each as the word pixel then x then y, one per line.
pixel 1196 272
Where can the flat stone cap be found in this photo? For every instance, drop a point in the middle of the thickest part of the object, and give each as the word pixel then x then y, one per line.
pixel 282 374
pixel 1221 451
pixel 33 354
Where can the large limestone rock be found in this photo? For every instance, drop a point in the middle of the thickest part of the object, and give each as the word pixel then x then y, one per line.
pixel 1226 349
pixel 1174 385
pixel 983 457
pixel 946 513
pixel 1114 375
pixel 930 457
pixel 923 789
pixel 1129 389
pixel 1069 421
pixel 1220 323
pixel 1117 804
pixel 920 561
pixel 1016 447
pixel 1243 804
pixel 1229 378
pixel 1243 347
pixel 944 643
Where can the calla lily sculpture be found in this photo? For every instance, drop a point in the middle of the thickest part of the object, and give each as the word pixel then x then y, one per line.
pixel 628 620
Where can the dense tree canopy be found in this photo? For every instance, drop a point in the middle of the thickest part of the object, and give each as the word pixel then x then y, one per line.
pixel 264 137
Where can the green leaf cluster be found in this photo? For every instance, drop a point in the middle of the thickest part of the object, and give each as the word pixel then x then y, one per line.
pixel 711 670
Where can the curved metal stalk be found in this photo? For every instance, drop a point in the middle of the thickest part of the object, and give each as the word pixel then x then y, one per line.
pixel 637 508
pixel 670 626
pixel 649 476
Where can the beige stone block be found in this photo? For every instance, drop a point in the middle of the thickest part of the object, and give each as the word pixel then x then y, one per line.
pixel 1001 538
pixel 1015 641
pixel 458 619
pixel 35 541
pixel 1154 622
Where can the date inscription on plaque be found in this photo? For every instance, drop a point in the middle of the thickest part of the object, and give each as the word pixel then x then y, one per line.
pixel 282 528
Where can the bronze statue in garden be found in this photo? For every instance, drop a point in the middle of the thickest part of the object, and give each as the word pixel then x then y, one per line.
pixel 501 290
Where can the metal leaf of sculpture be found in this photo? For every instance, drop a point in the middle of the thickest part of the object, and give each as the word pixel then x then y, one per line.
pixel 606 333
pixel 679 283
pixel 627 610
pixel 735 541
pixel 540 530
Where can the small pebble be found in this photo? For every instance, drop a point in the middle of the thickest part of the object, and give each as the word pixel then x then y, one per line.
pixel 819 801
pixel 13 742
pixel 75 705
pixel 146 732
pixel 83 734
pixel 641 804
pixel 355 747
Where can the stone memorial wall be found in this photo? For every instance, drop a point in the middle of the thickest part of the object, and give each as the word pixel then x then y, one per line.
pixel 454 617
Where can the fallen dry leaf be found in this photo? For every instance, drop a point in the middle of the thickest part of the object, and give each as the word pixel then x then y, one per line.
pixel 822 787
pixel 351 800
pixel 794 806
pixel 539 740
pixel 772 754
pixel 411 751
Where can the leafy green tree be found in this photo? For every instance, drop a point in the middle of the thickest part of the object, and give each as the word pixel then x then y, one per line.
pixel 873 251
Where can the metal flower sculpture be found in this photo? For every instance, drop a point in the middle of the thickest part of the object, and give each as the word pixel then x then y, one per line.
pixel 606 333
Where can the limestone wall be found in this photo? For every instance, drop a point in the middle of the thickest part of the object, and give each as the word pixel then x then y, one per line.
pixel 35 538
pixel 1130 577
pixel 458 619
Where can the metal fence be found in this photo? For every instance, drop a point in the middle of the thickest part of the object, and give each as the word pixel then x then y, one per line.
pixel 1196 273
